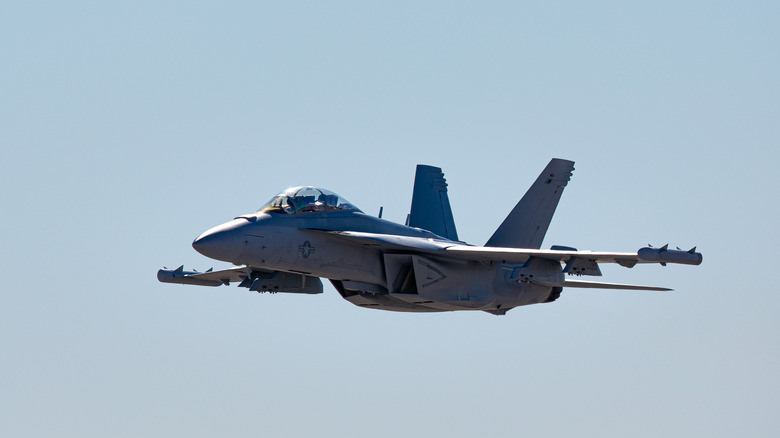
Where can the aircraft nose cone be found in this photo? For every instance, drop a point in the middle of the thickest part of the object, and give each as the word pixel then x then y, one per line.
pixel 208 244
pixel 220 242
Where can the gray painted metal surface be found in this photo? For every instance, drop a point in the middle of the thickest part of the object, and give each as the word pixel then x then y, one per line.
pixel 430 203
pixel 307 233
pixel 527 224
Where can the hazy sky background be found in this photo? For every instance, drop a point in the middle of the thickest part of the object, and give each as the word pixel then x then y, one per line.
pixel 128 129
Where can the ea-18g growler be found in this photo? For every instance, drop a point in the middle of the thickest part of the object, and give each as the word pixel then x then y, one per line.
pixel 307 233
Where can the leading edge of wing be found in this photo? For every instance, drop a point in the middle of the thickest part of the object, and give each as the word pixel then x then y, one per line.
pixel 449 249
pixel 388 241
pixel 521 255
pixel 661 255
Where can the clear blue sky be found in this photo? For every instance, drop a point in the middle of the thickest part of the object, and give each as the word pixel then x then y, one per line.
pixel 128 129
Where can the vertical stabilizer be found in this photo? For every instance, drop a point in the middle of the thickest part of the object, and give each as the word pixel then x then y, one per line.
pixel 430 204
pixel 527 224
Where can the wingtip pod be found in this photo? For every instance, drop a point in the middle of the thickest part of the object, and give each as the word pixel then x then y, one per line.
pixel 180 276
pixel 664 255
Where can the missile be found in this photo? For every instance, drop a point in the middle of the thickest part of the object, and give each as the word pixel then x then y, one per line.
pixel 180 276
pixel 665 255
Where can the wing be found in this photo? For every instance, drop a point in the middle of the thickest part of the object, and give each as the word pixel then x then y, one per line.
pixel 454 250
pixel 627 259
pixel 256 279
pixel 208 278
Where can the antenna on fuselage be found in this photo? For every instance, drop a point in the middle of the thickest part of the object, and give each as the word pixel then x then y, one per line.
pixel 380 212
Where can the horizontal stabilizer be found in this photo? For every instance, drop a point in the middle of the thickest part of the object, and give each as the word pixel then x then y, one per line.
pixel 599 285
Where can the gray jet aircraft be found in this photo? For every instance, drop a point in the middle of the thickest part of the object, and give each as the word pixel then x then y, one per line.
pixel 307 233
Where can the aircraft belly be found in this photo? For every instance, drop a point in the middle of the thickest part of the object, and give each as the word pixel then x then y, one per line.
pixel 390 303
pixel 444 285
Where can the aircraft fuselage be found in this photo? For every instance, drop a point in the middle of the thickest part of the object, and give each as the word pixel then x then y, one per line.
pixel 364 275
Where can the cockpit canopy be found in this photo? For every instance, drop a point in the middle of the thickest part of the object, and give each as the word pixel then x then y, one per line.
pixel 306 199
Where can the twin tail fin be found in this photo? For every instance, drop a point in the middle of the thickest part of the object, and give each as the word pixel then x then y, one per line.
pixel 527 224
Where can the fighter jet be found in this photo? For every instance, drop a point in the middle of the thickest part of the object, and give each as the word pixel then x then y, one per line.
pixel 307 233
